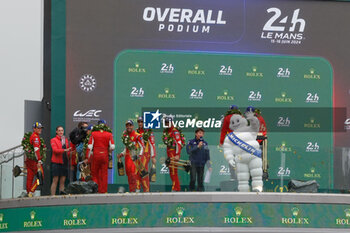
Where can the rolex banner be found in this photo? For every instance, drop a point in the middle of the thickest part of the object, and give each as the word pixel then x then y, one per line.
pixel 193 59
pixel 175 215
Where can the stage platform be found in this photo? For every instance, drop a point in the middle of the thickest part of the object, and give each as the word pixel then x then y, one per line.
pixel 178 212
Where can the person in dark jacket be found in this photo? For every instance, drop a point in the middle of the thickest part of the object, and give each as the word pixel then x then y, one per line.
pixel 198 151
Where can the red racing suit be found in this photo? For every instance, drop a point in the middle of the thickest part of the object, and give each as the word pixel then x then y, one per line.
pixel 31 164
pixel 150 152
pixel 134 178
pixel 262 129
pixel 173 151
pixel 225 129
pixel 100 143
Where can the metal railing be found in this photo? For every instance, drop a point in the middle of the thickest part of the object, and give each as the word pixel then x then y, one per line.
pixel 8 157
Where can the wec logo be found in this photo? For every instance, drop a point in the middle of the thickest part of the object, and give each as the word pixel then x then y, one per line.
pixel 90 113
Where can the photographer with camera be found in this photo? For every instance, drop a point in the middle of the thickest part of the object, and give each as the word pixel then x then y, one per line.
pixel 77 138
pixel 198 151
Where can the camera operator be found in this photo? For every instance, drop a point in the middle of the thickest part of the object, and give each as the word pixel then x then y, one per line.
pixel 77 137
pixel 198 151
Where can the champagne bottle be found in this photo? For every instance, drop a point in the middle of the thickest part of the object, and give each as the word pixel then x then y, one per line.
pixel 40 177
pixel 110 162
pixel 121 171
pixel 153 173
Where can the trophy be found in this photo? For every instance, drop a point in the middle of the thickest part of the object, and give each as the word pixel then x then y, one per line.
pixel 17 170
pixel 264 155
pixel 85 171
pixel 139 166
pixel 180 164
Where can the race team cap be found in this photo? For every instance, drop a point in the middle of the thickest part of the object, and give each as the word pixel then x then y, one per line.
pixel 233 107
pixel 250 109
pixel 101 121
pixel 168 118
pixel 140 118
pixel 38 125
pixel 129 122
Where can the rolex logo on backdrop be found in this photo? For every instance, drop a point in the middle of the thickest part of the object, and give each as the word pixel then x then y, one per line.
pixel 283 147
pixel 180 218
pixel 3 225
pixel 254 73
pixel 125 218
pixel 137 68
pixel 225 96
pixel 344 220
pixel 312 173
pixel 197 71
pixel 74 220
pixel 33 223
pixel 238 217
pixel 167 94
pixel 312 74
pixel 284 98
pixel 312 124
pixel 296 218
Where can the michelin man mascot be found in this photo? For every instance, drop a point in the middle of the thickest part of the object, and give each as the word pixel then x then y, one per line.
pixel 241 150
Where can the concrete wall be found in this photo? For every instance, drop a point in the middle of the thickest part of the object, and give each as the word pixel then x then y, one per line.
pixel 21 27
pixel 21 76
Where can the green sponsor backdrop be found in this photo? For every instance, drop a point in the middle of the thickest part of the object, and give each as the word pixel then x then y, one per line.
pixel 297 89
pixel 175 215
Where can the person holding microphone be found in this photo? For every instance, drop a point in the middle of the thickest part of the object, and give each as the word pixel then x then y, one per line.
pixel 59 160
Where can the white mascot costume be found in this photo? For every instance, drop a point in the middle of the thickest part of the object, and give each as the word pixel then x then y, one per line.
pixel 242 151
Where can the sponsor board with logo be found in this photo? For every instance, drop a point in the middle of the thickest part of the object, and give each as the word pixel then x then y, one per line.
pixel 125 218
pixel 198 88
pixel 196 71
pixel 75 219
pixel 3 223
pixel 283 29
pixel 87 116
pixel 254 73
pixel 138 215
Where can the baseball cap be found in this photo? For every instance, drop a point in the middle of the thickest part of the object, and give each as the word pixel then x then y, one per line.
pixel 233 107
pixel 129 122
pixel 168 118
pixel 250 109
pixel 140 119
pixel 101 121
pixel 37 125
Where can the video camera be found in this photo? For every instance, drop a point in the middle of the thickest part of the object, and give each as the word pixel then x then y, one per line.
pixel 78 135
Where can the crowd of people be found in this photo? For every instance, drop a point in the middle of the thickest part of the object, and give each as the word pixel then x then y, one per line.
pixel 93 146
